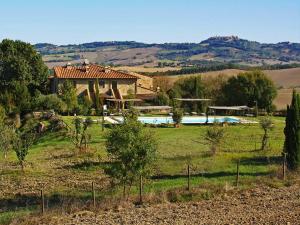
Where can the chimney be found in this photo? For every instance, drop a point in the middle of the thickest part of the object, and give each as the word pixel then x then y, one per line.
pixel 86 65
pixel 69 66
pixel 107 69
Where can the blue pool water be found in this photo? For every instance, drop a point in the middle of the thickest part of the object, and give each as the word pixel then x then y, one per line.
pixel 185 120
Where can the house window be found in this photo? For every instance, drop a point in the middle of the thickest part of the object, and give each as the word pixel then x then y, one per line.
pixel 74 83
pixel 101 83
pixel 91 86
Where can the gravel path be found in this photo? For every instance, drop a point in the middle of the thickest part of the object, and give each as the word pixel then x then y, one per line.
pixel 257 206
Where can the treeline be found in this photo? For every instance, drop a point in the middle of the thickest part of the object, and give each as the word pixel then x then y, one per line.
pixel 252 88
pixel 220 66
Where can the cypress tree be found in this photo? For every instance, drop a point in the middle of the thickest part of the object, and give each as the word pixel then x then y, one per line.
pixel 292 133
pixel 97 99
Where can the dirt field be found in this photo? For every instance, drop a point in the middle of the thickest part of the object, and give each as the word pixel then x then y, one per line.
pixel 284 97
pixel 286 78
pixel 262 205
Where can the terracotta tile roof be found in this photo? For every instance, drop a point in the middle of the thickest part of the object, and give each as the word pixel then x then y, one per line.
pixel 90 71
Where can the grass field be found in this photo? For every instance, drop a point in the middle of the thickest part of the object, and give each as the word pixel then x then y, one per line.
pixel 54 165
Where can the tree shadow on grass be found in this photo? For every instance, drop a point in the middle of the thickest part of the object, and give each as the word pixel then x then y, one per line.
pixel 261 160
pixel 209 175
pixel 85 165
pixel 51 200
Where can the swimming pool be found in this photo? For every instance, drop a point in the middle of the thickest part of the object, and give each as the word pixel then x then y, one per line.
pixel 185 120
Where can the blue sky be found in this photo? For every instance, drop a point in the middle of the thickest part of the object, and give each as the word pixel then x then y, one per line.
pixel 151 21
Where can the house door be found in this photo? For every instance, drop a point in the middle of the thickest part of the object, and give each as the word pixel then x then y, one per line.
pixel 91 86
pixel 114 84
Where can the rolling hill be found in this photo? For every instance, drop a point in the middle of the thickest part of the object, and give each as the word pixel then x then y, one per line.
pixel 229 49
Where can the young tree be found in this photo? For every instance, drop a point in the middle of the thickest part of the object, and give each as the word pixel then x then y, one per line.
pixel 79 135
pixel 131 149
pixel 292 133
pixel 69 96
pixel 214 136
pixel 266 124
pixel 25 137
pixel 6 133
pixel 177 116
pixel 7 136
pixel 21 144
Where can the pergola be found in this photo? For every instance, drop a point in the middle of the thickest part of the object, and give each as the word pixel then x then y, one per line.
pixel 121 102
pixel 193 99
pixel 241 108
pixel 152 107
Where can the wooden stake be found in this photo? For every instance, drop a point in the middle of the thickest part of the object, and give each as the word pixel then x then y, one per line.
pixel 141 189
pixel 283 165
pixel 189 177
pixel 42 202
pixel 94 196
pixel 237 173
pixel 102 122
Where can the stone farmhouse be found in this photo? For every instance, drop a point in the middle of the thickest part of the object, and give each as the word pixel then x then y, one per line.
pixel 113 85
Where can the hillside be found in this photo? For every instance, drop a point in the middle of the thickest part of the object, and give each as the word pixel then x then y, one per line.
pixel 229 49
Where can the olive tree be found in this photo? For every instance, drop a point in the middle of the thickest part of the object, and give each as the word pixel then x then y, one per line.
pixel 214 136
pixel 266 124
pixel 131 149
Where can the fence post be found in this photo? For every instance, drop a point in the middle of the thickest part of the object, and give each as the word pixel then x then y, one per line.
pixel 189 177
pixel 94 196
pixel 42 202
pixel 283 165
pixel 237 173
pixel 102 125
pixel 141 189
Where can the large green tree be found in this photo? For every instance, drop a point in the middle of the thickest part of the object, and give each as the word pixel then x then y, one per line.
pixel 22 71
pixel 292 132
pixel 246 88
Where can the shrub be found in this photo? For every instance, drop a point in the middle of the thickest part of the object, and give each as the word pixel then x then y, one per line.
pixel 50 102
pixel 162 99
